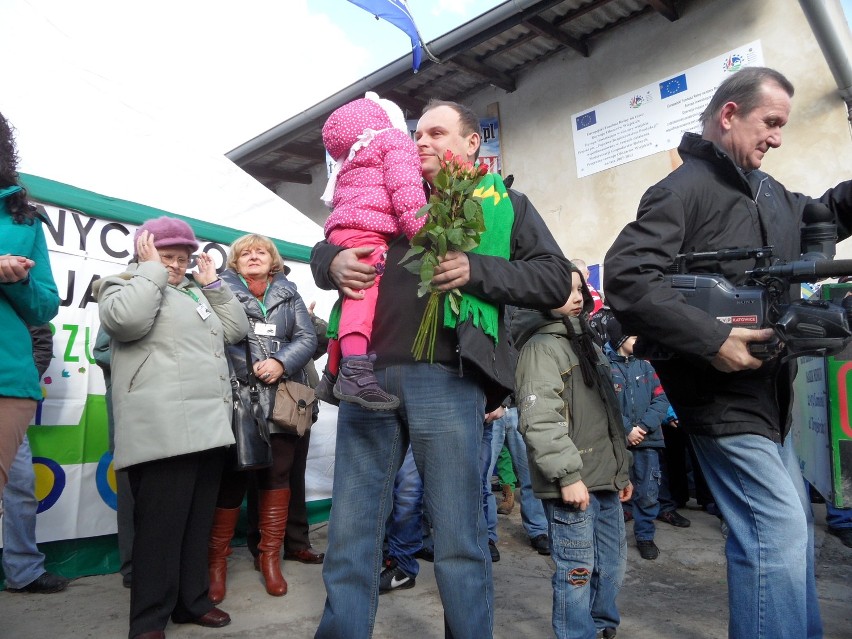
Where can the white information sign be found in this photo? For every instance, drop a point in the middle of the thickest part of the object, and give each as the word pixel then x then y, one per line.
pixel 652 118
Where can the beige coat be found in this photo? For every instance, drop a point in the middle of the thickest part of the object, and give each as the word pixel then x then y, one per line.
pixel 170 381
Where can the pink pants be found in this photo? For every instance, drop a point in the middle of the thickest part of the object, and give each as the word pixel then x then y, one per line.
pixel 357 315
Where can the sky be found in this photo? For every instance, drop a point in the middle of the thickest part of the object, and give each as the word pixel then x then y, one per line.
pixel 211 72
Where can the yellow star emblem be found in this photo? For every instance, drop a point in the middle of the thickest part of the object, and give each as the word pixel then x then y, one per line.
pixel 489 192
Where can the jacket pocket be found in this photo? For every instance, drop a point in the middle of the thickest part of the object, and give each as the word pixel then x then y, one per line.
pixel 134 380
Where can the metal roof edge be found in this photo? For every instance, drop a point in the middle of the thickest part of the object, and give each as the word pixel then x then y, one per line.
pixel 263 143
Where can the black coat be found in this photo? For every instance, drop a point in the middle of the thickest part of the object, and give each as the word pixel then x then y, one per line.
pixel 536 276
pixel 295 340
pixel 708 204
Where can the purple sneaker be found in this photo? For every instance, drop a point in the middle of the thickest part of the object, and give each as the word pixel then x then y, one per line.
pixel 356 383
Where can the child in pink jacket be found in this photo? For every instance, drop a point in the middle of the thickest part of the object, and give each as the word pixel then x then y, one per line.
pixel 375 191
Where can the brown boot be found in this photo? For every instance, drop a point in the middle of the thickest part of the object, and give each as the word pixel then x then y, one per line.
pixel 218 550
pixel 508 502
pixel 273 507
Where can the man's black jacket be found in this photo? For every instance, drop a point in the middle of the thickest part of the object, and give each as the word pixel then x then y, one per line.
pixel 708 204
pixel 536 276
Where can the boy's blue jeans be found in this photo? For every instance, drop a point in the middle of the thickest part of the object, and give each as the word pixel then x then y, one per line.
pixel 645 476
pixel 590 552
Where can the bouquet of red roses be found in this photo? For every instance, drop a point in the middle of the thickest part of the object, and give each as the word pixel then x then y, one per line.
pixel 454 222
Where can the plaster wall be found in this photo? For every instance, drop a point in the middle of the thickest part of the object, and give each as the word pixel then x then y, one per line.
pixel 585 214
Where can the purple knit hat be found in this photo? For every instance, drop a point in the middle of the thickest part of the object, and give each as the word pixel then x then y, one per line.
pixel 168 231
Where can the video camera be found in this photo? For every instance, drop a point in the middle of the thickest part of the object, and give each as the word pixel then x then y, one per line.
pixel 802 327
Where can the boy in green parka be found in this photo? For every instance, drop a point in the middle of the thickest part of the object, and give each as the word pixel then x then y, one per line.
pixel 579 464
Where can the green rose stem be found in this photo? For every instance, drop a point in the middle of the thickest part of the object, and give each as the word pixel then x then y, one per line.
pixel 454 222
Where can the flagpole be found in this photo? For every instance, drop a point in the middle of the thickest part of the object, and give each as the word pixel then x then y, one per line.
pixel 429 54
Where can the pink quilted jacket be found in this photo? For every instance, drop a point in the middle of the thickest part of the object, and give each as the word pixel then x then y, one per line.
pixel 380 189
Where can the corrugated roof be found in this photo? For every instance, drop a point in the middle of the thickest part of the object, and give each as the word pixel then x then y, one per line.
pixel 492 49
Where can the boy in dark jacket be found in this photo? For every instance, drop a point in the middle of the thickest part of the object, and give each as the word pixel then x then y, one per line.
pixel 643 409
pixel 579 464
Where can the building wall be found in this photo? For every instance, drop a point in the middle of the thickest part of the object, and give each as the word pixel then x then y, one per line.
pixel 585 214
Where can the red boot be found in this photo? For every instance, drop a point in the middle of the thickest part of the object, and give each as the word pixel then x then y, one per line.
pixel 274 505
pixel 218 549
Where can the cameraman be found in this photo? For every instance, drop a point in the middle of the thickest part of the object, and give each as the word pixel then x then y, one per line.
pixel 736 408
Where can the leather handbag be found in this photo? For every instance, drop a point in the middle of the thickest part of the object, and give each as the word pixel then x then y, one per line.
pixel 251 430
pixel 294 407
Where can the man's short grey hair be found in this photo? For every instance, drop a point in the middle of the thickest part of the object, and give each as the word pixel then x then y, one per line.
pixel 745 88
pixel 468 120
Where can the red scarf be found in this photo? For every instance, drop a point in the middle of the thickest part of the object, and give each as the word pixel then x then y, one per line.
pixel 257 287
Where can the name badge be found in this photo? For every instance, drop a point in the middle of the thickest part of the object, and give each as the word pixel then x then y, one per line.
pixel 264 329
pixel 203 311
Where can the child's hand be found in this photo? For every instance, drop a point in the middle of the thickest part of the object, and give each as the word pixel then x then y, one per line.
pixel 625 493
pixel 495 414
pixel 576 495
pixel 636 436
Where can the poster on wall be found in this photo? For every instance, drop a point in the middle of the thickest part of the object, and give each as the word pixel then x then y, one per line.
pixel 652 118
pixel 839 425
pixel 489 151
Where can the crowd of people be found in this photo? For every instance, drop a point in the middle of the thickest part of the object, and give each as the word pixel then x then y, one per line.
pixel 597 436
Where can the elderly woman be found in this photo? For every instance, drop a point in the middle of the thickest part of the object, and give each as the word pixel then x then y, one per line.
pixel 172 406
pixel 28 296
pixel 282 342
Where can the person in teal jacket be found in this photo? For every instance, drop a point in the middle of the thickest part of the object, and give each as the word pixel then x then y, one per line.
pixel 28 297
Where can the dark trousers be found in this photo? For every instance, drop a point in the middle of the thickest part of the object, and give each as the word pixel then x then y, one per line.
pixel 296 534
pixel 173 514
pixel 678 446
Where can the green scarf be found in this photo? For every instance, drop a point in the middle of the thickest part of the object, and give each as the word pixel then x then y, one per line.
pixel 499 218
pixel 495 240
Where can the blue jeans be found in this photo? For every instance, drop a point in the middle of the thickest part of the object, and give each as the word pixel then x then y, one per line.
pixel 506 430
pixel 405 530
pixel 836 518
pixel 590 552
pixel 645 476
pixel 441 415
pixel 759 489
pixel 23 563
pixel 489 503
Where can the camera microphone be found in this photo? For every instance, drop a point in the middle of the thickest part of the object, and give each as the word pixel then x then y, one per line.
pixel 806 271
pixel 819 233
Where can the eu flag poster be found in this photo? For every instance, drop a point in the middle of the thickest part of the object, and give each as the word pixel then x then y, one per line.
pixel 586 120
pixel 673 86
pixel 653 117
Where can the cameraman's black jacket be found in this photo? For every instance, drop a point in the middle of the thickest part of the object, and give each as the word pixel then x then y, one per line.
pixel 709 204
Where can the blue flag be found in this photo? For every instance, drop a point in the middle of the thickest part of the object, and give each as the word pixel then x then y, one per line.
pixel 396 12
pixel 673 86
pixel 587 119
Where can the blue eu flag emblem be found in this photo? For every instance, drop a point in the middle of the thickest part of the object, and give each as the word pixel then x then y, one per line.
pixel 673 86
pixel 587 119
